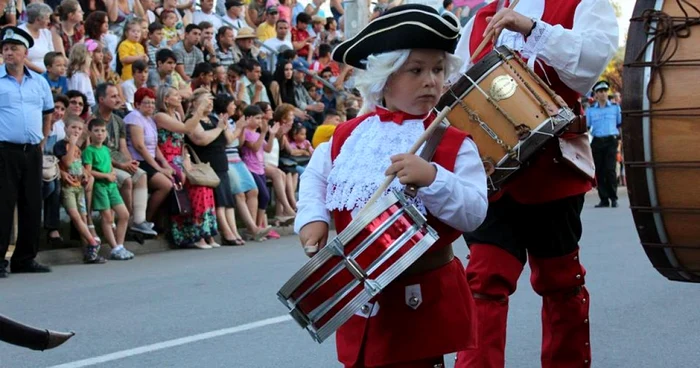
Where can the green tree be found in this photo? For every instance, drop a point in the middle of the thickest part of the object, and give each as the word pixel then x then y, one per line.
pixel 613 72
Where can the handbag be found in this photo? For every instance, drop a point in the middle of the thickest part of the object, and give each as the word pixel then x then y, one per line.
pixel 180 202
pixel 49 168
pixel 198 173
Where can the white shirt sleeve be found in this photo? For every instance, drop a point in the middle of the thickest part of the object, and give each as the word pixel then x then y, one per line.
pixel 579 55
pixel 312 189
pixel 459 199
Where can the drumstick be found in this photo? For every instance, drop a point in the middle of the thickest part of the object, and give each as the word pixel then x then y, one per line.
pixel 489 35
pixel 427 133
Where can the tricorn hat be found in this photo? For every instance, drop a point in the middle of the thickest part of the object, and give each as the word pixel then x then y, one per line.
pixel 410 26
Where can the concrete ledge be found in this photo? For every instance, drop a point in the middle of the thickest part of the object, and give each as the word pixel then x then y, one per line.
pixel 160 244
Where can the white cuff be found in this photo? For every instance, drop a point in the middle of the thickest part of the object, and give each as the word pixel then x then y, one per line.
pixel 537 41
pixel 438 184
pixel 307 218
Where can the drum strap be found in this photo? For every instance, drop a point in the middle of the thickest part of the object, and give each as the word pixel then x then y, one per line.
pixel 427 154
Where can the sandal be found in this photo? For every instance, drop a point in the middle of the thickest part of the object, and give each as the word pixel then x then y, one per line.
pixel 261 235
pixel 228 242
pixel 284 220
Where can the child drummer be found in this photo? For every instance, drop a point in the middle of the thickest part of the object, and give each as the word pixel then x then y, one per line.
pixel 424 314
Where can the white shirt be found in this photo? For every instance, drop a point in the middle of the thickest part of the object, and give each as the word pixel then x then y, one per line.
pixel 42 46
pixel 151 16
pixel 59 130
pixel 129 89
pixel 275 44
pixel 200 16
pixel 235 23
pixel 81 82
pixel 272 158
pixel 579 55
pixel 458 198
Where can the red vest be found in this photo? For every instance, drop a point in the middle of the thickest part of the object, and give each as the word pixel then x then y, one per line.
pixel 445 322
pixel 547 178
pixel 445 156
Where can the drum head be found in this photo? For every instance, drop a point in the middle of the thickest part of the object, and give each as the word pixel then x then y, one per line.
pixel 661 137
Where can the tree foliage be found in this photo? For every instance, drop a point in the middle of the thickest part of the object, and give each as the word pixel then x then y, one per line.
pixel 613 72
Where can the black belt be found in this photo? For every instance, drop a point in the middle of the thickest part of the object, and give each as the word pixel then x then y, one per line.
pixel 430 261
pixel 18 146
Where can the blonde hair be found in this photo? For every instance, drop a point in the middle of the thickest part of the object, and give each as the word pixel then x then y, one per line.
pixel 371 81
pixel 196 99
pixel 79 59
pixel 71 119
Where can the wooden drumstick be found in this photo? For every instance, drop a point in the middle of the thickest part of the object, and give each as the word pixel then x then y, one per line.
pixel 424 137
pixel 488 36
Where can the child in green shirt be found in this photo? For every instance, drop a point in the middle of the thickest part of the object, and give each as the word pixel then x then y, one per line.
pixel 105 194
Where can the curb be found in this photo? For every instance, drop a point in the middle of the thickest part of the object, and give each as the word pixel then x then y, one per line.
pixel 160 244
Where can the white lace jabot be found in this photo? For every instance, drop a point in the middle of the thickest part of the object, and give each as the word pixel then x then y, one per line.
pixel 359 168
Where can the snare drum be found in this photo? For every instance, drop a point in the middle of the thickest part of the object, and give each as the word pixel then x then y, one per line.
pixel 375 248
pixel 509 111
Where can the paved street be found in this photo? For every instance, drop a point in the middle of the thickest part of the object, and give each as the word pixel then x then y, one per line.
pixel 217 308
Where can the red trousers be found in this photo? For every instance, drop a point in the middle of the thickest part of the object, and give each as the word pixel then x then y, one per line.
pixel 493 273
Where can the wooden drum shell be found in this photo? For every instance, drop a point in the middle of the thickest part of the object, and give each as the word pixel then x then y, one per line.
pixel 662 151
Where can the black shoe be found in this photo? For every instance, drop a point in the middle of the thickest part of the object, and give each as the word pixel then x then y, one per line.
pixel 614 204
pixel 603 204
pixel 54 243
pixel 3 273
pixel 30 267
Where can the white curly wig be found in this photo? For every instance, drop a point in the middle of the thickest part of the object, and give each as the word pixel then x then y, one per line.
pixel 371 81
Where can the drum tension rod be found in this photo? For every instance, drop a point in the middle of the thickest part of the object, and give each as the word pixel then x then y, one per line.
pixel 474 117
pixel 355 269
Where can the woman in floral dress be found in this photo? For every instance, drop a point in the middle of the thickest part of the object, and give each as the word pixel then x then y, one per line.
pixel 199 227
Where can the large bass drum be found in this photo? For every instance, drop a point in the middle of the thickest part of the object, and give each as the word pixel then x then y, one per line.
pixel 661 133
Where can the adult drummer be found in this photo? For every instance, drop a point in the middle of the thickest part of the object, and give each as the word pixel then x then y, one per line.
pixel 604 119
pixel 428 311
pixel 536 216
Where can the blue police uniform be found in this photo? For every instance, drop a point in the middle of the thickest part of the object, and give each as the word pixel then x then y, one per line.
pixel 23 105
pixel 604 123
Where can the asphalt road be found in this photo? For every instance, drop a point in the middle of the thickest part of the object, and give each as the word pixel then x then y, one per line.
pixel 217 308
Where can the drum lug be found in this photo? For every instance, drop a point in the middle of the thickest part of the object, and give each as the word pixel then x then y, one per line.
pixel 300 317
pixel 523 131
pixel 372 287
pixel 336 247
pixel 489 165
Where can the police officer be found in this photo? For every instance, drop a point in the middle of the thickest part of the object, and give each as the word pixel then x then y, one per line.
pixel 604 119
pixel 26 105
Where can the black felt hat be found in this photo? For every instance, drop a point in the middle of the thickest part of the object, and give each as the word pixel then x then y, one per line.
pixel 404 27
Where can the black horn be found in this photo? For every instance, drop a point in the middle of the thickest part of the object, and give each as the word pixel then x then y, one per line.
pixel 15 333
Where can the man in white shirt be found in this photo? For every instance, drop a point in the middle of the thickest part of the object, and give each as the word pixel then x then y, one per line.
pixel 282 28
pixel 206 14
pixel 235 17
